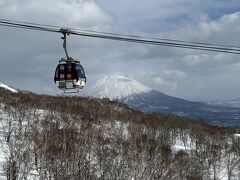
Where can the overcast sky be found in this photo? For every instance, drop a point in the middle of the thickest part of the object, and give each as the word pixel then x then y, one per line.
pixel 28 58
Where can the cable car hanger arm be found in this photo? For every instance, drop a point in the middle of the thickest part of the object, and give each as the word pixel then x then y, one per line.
pixel 65 32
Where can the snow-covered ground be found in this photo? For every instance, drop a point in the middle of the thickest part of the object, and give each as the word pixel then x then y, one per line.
pixel 226 160
pixel 181 141
pixel 6 123
pixel 237 135
pixel 3 144
pixel 8 88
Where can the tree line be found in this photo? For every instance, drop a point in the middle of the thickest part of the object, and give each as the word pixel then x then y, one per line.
pixel 50 137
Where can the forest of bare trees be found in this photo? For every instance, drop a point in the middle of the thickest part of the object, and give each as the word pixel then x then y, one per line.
pixel 71 138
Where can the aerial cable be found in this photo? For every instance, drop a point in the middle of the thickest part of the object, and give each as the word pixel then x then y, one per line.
pixel 23 26
pixel 44 28
pixel 190 46
pixel 122 37
pixel 149 41
pixel 30 23
pixel 143 41
pixel 156 39
pixel 31 26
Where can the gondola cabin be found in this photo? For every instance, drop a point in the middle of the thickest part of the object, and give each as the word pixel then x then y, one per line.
pixel 70 76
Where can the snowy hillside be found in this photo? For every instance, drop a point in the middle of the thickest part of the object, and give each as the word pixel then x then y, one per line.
pixel 8 88
pixel 116 87
pixel 46 137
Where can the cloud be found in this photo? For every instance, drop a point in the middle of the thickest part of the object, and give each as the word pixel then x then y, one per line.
pixel 164 85
pixel 194 74
pixel 160 17
pixel 214 31
pixel 77 13
pixel 166 80
pixel 209 31
pixel 174 73
pixel 209 60
pixel 28 58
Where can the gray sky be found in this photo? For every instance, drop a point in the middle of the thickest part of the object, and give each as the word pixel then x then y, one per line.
pixel 28 58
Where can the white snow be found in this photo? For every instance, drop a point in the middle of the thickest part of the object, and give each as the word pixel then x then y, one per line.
pixel 3 144
pixel 180 147
pixel 183 144
pixel 116 86
pixel 39 114
pixel 237 135
pixel 8 88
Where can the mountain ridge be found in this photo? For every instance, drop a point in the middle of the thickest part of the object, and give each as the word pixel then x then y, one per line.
pixel 2 85
pixel 151 101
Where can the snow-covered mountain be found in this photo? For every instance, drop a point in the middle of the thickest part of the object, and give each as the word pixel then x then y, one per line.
pixel 143 98
pixel 8 88
pixel 116 87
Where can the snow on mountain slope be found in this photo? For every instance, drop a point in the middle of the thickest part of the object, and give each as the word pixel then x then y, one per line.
pixel 228 103
pixel 8 88
pixel 116 87
pixel 145 99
